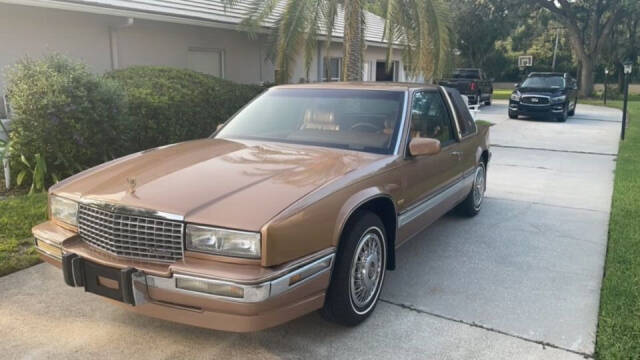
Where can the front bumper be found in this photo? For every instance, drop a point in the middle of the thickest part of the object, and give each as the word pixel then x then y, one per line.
pixel 262 297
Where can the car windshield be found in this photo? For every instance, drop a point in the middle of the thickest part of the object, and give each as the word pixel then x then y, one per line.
pixel 544 82
pixel 363 120
pixel 466 74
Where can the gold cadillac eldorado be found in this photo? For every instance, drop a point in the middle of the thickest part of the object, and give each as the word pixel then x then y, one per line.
pixel 296 203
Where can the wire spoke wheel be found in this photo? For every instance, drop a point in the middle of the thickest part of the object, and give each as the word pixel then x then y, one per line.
pixel 366 268
pixel 479 187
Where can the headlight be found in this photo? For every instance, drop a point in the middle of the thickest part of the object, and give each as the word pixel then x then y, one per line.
pixel 223 242
pixel 559 99
pixel 64 210
pixel 515 96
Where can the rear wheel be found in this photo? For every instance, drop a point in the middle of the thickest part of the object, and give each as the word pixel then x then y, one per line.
pixel 359 271
pixel 488 102
pixel 473 203
pixel 573 111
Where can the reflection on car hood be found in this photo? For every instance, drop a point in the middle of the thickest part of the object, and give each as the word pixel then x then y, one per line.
pixel 235 184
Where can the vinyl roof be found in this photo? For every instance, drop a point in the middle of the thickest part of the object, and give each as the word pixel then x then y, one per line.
pixel 213 11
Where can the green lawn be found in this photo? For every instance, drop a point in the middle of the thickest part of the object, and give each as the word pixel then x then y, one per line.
pixel 501 94
pixel 17 215
pixel 619 321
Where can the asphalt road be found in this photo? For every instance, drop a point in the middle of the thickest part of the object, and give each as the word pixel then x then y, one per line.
pixel 520 280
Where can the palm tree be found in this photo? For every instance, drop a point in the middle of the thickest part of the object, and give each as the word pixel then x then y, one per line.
pixel 420 28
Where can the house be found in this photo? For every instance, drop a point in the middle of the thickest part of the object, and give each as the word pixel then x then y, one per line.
pixel 202 35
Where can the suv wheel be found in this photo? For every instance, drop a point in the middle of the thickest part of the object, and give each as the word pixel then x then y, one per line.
pixel 513 114
pixel 488 102
pixel 573 111
pixel 473 203
pixel 565 114
pixel 359 271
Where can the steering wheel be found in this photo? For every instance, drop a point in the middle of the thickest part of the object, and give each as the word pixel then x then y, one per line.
pixel 366 125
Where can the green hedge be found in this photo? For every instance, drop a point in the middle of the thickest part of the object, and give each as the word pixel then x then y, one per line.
pixel 168 105
pixel 76 119
pixel 64 113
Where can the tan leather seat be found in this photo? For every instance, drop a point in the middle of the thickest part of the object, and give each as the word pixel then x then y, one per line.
pixel 319 120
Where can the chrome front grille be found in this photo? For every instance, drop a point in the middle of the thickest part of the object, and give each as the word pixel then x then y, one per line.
pixel 534 100
pixel 131 236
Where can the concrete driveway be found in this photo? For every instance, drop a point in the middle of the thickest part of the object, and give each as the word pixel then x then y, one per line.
pixel 520 280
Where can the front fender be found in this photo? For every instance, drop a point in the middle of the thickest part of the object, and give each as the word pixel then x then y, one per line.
pixel 317 225
pixel 352 204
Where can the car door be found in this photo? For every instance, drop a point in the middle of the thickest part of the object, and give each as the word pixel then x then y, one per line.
pixel 428 179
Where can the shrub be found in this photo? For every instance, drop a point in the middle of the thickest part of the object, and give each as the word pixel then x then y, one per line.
pixel 168 105
pixel 67 119
pixel 62 111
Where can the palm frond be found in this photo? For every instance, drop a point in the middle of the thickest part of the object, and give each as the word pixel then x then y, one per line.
pixel 291 30
pixel 259 11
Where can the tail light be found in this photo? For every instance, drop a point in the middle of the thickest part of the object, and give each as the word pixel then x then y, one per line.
pixel 473 86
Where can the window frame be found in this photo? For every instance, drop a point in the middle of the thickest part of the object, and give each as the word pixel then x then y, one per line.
pixel 452 120
pixel 326 64
pixel 219 51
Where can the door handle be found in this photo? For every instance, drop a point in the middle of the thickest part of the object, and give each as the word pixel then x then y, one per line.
pixel 457 154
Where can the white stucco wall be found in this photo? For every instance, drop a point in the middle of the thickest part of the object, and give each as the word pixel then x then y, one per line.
pixel 166 44
pixel 32 31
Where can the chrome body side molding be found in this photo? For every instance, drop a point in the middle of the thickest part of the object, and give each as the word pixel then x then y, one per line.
pixel 433 201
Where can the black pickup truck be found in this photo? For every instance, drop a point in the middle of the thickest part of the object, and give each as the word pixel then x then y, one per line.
pixel 472 83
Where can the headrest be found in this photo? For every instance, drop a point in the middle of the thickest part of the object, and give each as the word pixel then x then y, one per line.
pixel 320 120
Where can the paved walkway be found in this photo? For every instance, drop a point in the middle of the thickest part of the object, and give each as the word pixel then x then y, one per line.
pixel 520 280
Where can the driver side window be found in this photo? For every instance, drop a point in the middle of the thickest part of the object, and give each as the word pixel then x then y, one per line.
pixel 430 119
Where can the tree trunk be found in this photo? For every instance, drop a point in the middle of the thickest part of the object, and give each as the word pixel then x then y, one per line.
pixel 586 76
pixel 353 41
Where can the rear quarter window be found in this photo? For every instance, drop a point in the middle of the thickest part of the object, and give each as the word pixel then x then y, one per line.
pixel 465 120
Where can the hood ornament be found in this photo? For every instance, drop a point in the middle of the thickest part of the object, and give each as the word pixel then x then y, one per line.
pixel 131 185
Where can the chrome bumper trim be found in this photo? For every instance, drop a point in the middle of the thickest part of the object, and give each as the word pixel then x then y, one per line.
pixel 252 293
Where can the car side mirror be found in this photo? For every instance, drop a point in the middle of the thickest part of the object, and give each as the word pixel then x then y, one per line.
pixel 516 85
pixel 424 146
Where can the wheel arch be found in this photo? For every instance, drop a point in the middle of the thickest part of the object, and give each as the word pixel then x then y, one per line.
pixel 482 155
pixel 383 206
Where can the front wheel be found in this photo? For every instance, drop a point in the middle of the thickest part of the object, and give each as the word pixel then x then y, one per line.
pixel 359 271
pixel 513 114
pixel 473 203
pixel 565 114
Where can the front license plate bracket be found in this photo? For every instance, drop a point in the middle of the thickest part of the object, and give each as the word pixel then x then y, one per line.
pixel 116 284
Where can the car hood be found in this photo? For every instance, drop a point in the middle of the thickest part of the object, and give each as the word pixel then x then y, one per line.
pixel 540 91
pixel 230 183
